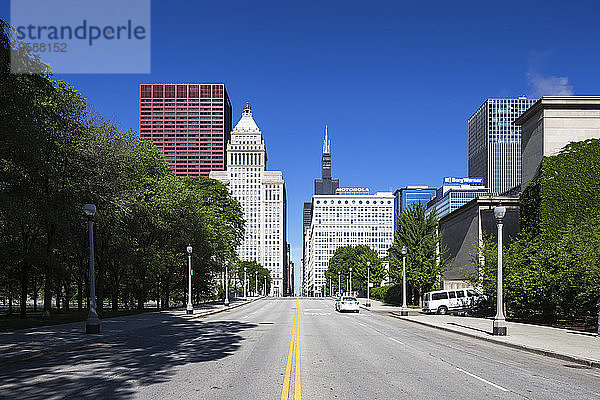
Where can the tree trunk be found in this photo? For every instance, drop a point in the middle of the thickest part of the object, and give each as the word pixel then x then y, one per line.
pixel 80 294
pixel 24 280
pixel 115 300
pixel 67 287
pixel 35 292
pixel 48 270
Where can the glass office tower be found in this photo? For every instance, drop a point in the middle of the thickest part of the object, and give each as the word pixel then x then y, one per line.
pixel 495 143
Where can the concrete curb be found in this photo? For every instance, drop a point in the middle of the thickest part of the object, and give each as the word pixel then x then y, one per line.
pixel 92 339
pixel 544 352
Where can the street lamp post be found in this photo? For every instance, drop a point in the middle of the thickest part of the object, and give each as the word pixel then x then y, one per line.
pixel 245 284
pixel 368 303
pixel 226 285
pixel 499 327
pixel 350 284
pixel 404 309
pixel 256 283
pixel 339 281
pixel 265 286
pixel 92 324
pixel 190 308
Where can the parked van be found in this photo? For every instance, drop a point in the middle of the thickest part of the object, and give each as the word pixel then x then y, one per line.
pixel 443 301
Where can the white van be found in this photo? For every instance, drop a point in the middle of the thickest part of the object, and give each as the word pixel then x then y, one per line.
pixel 442 301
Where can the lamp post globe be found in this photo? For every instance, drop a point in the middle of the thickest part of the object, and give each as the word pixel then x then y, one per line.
pixel 499 327
pixel 92 324
pixel 190 308
pixel 404 309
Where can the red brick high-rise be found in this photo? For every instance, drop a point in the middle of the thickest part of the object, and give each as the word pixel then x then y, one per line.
pixel 190 125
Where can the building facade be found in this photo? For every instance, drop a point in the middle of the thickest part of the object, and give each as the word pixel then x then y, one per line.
pixel 449 198
pixel 342 220
pixel 551 123
pixel 189 124
pixel 262 195
pixel 464 229
pixel 494 143
pixel 407 196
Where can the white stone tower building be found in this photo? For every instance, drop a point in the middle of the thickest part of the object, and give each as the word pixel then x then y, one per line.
pixel 261 194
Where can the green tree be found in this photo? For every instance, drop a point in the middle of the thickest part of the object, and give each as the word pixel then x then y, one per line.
pixel 355 257
pixel 425 261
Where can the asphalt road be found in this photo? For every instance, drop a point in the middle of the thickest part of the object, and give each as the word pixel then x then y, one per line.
pixel 249 352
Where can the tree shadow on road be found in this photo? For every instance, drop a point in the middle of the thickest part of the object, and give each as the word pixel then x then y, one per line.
pixel 114 366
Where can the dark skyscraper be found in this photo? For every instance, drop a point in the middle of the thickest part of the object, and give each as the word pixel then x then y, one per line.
pixel 325 185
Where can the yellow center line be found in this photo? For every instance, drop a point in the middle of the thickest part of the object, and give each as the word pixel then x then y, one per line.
pixel 288 367
pixel 297 392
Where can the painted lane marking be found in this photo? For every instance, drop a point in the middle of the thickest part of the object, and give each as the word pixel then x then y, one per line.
pixel 361 324
pixel 482 380
pixel 397 341
pixel 288 367
pixel 297 391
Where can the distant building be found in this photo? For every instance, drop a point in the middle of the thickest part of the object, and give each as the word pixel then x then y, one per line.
pixel 262 195
pixel 405 197
pixel 551 123
pixel 190 125
pixel 464 229
pixel 325 185
pixel 451 197
pixel 342 220
pixel 494 143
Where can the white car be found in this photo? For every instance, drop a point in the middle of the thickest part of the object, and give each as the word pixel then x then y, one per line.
pixel 347 304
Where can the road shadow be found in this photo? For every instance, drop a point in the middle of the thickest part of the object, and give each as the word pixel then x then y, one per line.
pixel 114 366
pixel 471 328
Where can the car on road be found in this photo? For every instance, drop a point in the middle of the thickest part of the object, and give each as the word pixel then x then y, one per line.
pixel 444 301
pixel 347 304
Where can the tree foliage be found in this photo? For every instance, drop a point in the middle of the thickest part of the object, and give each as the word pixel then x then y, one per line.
pixel 55 156
pixel 552 270
pixel 355 257
pixel 425 261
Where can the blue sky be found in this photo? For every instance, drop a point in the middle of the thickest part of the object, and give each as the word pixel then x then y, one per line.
pixel 394 80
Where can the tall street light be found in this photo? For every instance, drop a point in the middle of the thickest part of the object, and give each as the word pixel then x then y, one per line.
pixel 499 328
pixel 245 284
pixel 256 283
pixel 226 285
pixel 92 324
pixel 368 303
pixel 404 309
pixel 265 286
pixel 190 308
pixel 350 284
pixel 340 282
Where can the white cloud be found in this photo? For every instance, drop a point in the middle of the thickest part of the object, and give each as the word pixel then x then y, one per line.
pixel 549 85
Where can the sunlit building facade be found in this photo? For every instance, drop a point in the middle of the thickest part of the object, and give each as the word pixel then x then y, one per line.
pixel 494 143
pixel 189 124
pixel 342 220
pixel 262 195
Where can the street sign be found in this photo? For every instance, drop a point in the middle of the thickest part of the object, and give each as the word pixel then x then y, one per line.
pixel 192 273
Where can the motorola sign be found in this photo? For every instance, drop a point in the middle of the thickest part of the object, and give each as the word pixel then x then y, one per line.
pixel 351 190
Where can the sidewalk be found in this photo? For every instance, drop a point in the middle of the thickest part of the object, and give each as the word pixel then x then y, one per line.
pixel 565 344
pixel 34 342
